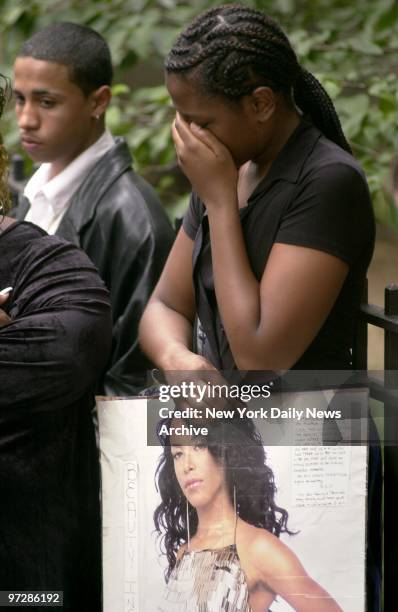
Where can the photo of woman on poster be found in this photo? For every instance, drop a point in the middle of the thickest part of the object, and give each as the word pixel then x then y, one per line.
pixel 219 527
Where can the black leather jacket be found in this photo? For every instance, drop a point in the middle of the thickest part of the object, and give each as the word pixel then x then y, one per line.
pixel 117 218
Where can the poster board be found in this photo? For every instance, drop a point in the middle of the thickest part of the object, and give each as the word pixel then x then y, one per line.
pixel 322 487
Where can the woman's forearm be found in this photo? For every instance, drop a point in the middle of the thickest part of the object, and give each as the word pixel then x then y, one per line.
pixel 163 333
pixel 237 289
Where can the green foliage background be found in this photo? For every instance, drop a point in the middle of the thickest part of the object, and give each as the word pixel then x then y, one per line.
pixel 350 46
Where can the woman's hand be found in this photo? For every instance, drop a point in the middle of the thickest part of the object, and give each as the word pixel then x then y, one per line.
pixel 4 318
pixel 207 164
pixel 204 384
pixel 197 374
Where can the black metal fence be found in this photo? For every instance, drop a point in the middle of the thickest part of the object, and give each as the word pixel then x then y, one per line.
pixel 385 390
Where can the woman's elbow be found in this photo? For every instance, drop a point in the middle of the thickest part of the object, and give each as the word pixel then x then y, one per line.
pixel 266 358
pixel 148 321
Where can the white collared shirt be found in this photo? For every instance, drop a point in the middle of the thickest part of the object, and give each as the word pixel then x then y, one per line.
pixel 50 199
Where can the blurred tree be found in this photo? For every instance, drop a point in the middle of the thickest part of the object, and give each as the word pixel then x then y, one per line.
pixel 349 46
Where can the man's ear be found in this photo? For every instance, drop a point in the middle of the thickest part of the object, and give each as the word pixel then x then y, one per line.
pixel 263 102
pixel 100 100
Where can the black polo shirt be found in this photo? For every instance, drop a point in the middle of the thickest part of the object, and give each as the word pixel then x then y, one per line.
pixel 314 195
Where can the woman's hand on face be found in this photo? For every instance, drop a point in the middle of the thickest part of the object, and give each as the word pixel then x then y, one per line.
pixel 207 164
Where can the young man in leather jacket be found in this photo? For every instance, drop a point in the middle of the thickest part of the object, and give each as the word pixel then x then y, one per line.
pixel 86 190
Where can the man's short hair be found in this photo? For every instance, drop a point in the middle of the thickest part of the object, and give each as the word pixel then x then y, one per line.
pixel 80 48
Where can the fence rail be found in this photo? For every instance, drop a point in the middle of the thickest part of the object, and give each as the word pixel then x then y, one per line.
pixel 385 391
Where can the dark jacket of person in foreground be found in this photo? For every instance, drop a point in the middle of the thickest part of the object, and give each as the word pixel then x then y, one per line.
pixel 117 219
pixel 51 355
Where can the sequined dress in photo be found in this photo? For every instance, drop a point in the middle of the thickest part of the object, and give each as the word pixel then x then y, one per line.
pixel 207 581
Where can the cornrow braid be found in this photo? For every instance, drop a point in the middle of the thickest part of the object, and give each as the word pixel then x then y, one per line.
pixel 311 97
pixel 233 49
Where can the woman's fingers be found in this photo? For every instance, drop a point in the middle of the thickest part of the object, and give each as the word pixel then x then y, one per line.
pixel 181 133
pixel 4 294
pixel 206 162
pixel 177 139
pixel 207 138
pixel 190 140
pixel 4 318
pixel 201 387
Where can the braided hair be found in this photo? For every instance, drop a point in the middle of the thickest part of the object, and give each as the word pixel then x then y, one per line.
pixel 233 49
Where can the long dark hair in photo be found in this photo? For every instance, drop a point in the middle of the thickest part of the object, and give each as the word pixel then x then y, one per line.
pixel 231 50
pixel 238 447
pixel 5 94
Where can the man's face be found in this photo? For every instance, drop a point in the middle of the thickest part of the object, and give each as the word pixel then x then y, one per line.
pixel 55 119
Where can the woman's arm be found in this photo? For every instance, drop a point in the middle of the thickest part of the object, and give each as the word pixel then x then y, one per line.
pixel 56 341
pixel 4 318
pixel 269 324
pixel 166 327
pixel 167 323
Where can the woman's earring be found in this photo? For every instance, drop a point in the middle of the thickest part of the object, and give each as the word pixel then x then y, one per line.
pixel 236 516
pixel 188 529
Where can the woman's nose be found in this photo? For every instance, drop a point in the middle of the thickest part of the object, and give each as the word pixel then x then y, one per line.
pixel 188 462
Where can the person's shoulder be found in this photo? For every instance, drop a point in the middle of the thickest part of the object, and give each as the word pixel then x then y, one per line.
pixel 333 180
pixel 256 540
pixel 30 241
pixel 267 554
pixel 40 253
pixel 125 184
pixel 330 162
pixel 111 182
pixel 22 230
pixel 132 201
pixel 41 241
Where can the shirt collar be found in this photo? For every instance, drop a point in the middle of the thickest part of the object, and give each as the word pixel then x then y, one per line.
pixel 60 189
pixel 290 161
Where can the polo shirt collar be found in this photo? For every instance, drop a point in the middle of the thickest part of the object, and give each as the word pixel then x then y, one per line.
pixel 289 162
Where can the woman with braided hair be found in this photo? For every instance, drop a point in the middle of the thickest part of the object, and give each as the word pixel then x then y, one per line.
pixel 268 268
pixel 273 252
